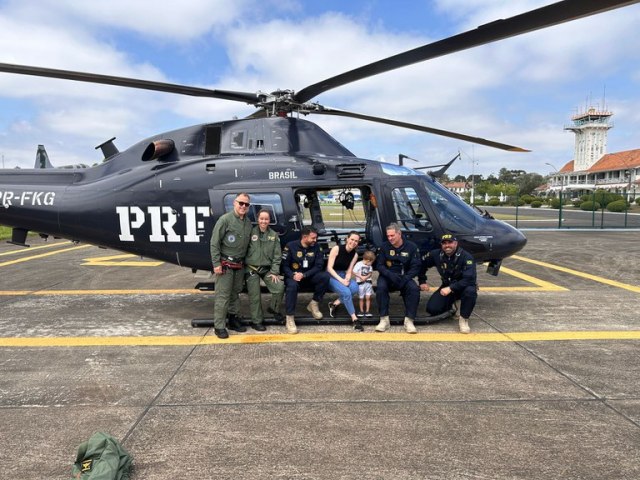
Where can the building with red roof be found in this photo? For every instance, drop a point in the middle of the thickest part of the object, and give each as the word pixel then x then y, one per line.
pixel 592 167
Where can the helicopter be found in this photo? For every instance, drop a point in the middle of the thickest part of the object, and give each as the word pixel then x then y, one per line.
pixel 161 197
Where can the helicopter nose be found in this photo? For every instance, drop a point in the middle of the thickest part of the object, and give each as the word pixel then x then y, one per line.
pixel 510 240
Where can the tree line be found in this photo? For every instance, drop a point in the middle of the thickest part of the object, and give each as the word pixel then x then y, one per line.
pixel 508 182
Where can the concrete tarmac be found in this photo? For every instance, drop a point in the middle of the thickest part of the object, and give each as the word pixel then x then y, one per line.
pixel 547 385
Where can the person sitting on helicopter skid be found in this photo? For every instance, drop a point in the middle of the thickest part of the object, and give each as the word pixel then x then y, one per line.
pixel 397 264
pixel 342 259
pixel 263 262
pixel 303 265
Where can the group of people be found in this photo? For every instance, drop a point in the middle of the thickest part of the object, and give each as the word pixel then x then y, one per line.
pixel 243 253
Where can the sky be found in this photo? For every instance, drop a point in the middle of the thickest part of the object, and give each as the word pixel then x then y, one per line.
pixel 521 91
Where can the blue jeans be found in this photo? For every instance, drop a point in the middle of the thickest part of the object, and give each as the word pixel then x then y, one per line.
pixel 346 293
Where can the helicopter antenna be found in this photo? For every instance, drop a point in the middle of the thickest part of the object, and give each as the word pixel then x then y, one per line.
pixel 441 172
pixel 401 157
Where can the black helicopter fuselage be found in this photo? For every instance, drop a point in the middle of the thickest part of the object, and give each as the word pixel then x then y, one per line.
pixel 161 197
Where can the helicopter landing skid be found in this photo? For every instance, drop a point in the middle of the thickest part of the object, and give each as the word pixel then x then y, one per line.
pixel 308 320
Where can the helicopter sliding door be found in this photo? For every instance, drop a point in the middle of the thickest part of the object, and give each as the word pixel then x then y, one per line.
pixel 334 212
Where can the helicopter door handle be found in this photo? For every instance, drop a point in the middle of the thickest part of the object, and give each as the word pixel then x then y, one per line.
pixel 294 220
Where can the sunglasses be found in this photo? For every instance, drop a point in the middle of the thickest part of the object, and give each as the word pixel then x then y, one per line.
pixel 243 204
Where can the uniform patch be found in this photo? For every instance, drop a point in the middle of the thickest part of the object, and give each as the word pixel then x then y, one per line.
pixel 299 254
pixel 86 465
pixel 254 238
pixel 231 238
pixel 392 253
pixel 469 262
pixel 295 266
pixel 389 263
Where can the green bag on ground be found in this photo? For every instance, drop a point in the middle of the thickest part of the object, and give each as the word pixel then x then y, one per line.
pixel 101 458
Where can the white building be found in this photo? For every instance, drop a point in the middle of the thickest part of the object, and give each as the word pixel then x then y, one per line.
pixel 592 167
pixel 459 188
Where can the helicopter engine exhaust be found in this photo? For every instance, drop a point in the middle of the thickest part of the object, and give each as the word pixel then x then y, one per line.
pixel 157 149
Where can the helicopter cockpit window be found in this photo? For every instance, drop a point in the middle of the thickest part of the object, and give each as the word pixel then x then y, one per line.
pixel 238 139
pixel 455 215
pixel 410 212
pixel 267 201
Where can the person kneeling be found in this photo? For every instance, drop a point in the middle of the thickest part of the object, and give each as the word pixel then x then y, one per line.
pixel 459 287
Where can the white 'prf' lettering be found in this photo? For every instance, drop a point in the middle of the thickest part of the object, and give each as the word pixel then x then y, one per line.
pixel 124 214
pixel 163 223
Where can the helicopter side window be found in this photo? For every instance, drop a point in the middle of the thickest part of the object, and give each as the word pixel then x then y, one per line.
pixel 259 201
pixel 238 139
pixel 409 210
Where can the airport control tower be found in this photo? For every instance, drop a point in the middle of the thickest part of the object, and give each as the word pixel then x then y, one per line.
pixel 591 129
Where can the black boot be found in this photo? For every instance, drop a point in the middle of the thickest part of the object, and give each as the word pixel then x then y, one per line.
pixel 278 317
pixel 221 333
pixel 235 323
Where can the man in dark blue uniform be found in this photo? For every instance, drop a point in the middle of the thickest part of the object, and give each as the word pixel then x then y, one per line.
pixel 397 263
pixel 457 271
pixel 303 265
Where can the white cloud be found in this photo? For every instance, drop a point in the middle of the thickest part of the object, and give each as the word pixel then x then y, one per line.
pixel 518 91
pixel 152 18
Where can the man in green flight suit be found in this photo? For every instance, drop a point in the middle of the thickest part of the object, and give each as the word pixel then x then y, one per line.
pixel 229 242
pixel 263 262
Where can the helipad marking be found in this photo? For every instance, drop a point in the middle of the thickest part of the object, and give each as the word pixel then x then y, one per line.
pixel 40 342
pixel 542 285
pixel 175 291
pixel 42 255
pixel 31 249
pixel 116 261
pixel 577 273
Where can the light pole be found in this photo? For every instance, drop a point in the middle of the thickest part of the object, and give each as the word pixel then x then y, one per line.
pixel 560 194
pixel 473 178
pixel 629 199
pixel 627 174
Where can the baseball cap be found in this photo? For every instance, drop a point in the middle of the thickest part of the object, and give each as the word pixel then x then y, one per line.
pixel 448 237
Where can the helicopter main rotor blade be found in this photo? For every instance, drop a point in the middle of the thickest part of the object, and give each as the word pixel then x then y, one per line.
pixel 543 17
pixel 246 97
pixel 420 128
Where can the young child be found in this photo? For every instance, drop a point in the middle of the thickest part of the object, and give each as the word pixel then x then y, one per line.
pixel 363 270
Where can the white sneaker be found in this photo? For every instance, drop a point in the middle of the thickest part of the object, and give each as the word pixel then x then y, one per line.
pixel 384 324
pixel 409 326
pixel 290 323
pixel 464 325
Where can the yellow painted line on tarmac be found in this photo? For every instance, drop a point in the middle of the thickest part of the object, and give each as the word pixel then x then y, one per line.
pixel 542 285
pixel 175 291
pixel 31 249
pixel 595 278
pixel 41 255
pixel 25 342
pixel 118 261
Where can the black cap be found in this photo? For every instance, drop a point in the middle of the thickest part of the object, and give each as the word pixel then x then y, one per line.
pixel 448 237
